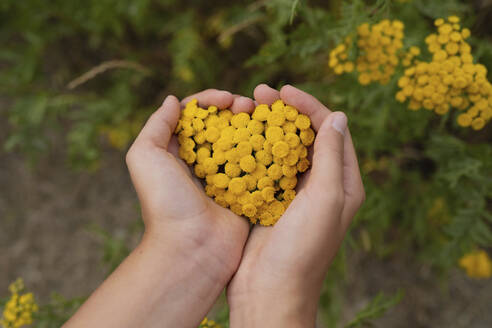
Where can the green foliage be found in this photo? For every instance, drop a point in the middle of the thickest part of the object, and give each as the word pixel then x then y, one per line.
pixel 115 249
pixel 57 311
pixel 427 181
pixel 375 309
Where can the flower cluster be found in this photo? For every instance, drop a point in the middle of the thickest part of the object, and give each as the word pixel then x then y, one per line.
pixel 249 163
pixel 19 308
pixel 206 323
pixel 378 46
pixel 477 264
pixel 451 79
pixel 339 61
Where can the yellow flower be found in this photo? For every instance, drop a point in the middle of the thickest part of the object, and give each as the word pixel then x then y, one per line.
pixel 19 308
pixel 477 264
pixel 280 149
pixel 302 122
pixel 275 133
pixel 378 47
pixel 450 80
pixel 249 163
pixel 240 120
pixel 206 323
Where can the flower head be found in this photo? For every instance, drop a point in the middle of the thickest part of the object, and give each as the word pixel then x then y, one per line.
pixel 249 163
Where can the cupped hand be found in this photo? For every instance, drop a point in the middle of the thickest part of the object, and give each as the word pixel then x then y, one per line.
pixel 283 267
pixel 176 212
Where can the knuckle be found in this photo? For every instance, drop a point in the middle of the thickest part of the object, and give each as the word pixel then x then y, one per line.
pixel 336 198
pixel 363 196
pixel 129 156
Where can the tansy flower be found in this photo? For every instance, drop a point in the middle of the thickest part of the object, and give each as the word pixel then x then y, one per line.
pixel 477 264
pixel 379 45
pixel 249 163
pixel 206 323
pixel 19 308
pixel 450 80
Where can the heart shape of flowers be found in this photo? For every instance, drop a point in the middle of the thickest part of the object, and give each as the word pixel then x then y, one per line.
pixel 249 163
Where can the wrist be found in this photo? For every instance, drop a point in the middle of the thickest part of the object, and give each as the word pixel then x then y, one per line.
pixel 274 306
pixel 186 249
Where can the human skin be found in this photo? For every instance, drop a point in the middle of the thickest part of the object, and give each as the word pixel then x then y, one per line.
pixel 192 247
pixel 281 273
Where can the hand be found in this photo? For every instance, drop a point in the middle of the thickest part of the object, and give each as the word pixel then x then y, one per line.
pixel 283 267
pixel 191 246
pixel 175 209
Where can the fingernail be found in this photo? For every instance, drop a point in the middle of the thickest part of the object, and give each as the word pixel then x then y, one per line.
pixel 339 122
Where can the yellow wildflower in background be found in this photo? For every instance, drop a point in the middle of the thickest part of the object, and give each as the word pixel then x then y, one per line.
pixel 477 264
pixel 19 308
pixel 378 48
pixel 206 323
pixel 249 163
pixel 450 80
pixel 122 134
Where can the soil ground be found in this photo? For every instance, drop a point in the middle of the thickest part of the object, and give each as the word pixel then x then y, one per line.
pixel 45 212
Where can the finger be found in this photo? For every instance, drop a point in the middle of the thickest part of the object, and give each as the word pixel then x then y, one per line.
pixel 242 104
pixel 353 186
pixel 161 124
pixel 265 95
pixel 325 185
pixel 306 104
pixel 220 98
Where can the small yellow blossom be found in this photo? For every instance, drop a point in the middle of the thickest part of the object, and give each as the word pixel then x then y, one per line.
pixel 477 264
pixel 19 308
pixel 450 79
pixel 206 323
pixel 378 47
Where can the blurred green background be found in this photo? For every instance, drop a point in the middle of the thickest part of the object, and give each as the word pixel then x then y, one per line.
pixel 79 78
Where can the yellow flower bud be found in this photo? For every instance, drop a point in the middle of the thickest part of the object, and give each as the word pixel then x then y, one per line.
pixel 221 180
pixel 248 163
pixel 264 157
pixel 280 149
pixel 288 182
pixel 240 120
pixel 276 118
pixel 241 134
pixel 261 113
pixel 232 170
pixel 265 182
pixel 290 113
pixel 210 166
pixel 307 137
pixel 244 148
pixel 249 210
pixel 302 122
pixel 212 134
pixel 274 171
pixel 278 105
pixel 237 185
pixel 255 127
pixel 289 171
pixel 274 134
pixel 257 141
pixel 268 194
pixel 289 127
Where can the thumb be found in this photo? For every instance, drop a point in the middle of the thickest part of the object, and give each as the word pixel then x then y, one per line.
pixel 326 178
pixel 161 124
